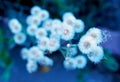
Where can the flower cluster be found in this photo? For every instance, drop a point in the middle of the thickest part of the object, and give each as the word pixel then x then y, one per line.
pixel 49 35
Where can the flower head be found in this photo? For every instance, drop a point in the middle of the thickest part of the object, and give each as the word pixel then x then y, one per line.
pixel 56 22
pixel 42 44
pixel 86 44
pixel 40 33
pixel 96 34
pixel 31 66
pixel 15 26
pixel 57 29
pixel 33 20
pixel 35 10
pixel 43 15
pixel 20 38
pixel 55 35
pixel 67 32
pixel 45 61
pixel 53 45
pixel 69 18
pixel 69 63
pixel 48 24
pixel 96 55
pixel 81 61
pixel 25 53
pixel 31 30
pixel 79 26
pixel 35 53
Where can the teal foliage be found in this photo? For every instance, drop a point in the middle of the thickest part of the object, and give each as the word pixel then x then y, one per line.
pixel 90 11
pixel 81 74
pixel 5 60
pixel 110 62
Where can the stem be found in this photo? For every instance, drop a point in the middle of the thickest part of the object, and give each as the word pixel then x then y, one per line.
pixel 62 52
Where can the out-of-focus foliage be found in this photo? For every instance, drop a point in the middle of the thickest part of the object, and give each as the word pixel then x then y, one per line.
pixel 92 12
pixel 110 62
pixel 5 60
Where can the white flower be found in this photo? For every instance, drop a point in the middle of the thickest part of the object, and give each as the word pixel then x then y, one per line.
pixel 86 44
pixel 96 34
pixel 56 22
pixel 69 63
pixel 43 15
pixel 55 35
pixel 72 51
pixel 35 10
pixel 81 61
pixel 96 55
pixel 35 53
pixel 67 14
pixel 15 26
pixel 67 32
pixel 25 53
pixel 47 24
pixel 31 66
pixel 57 29
pixel 53 45
pixel 42 44
pixel 33 20
pixel 79 26
pixel 20 38
pixel 69 18
pixel 40 33
pixel 45 61
pixel 31 30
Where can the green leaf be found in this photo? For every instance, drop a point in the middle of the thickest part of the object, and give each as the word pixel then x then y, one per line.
pixel 1 36
pixel 6 63
pixel 6 73
pixel 110 62
pixel 4 59
pixel 81 74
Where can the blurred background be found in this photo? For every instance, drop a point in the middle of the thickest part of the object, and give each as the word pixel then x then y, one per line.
pixel 104 14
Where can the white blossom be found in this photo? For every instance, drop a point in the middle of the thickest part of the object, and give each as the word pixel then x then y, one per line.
pixel 96 34
pixel 67 32
pixel 31 30
pixel 33 20
pixel 15 26
pixel 31 66
pixel 35 53
pixel 25 53
pixel 79 26
pixel 19 38
pixel 35 10
pixel 81 61
pixel 56 22
pixel 42 44
pixel 53 45
pixel 96 55
pixel 47 24
pixel 40 33
pixel 43 15
pixel 69 63
pixel 45 61
pixel 69 18
pixel 86 44
pixel 57 29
